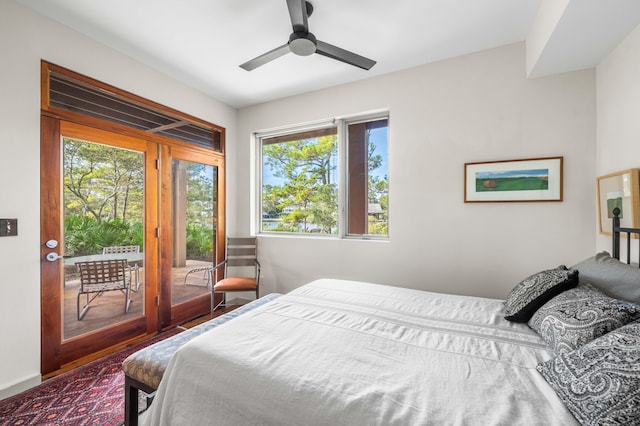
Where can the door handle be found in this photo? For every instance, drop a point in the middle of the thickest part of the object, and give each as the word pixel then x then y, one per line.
pixel 52 257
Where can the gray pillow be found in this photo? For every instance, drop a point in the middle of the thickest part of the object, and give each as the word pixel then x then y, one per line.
pixel 579 315
pixel 600 382
pixel 534 291
pixel 613 277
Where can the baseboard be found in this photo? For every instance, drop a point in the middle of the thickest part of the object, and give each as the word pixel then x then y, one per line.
pixel 20 386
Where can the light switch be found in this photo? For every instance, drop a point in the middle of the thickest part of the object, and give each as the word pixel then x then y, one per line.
pixel 8 227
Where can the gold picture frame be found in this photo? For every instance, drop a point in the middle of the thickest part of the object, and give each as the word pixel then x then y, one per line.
pixel 622 190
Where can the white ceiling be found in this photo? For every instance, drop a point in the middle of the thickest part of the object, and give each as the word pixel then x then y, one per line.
pixel 202 42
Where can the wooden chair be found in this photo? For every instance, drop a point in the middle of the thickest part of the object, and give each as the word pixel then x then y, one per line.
pixel 242 254
pixel 99 276
pixel 126 249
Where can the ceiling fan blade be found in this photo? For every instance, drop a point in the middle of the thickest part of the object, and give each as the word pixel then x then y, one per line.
pixel 331 51
pixel 266 57
pixel 298 15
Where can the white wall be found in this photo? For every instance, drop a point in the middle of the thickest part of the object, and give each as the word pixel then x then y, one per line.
pixel 618 117
pixel 25 39
pixel 479 107
pixel 547 18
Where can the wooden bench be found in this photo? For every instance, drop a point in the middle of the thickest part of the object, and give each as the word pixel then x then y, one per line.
pixel 144 369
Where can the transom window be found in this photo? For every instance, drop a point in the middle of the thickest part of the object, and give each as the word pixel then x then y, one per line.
pixel 327 179
pixel 79 94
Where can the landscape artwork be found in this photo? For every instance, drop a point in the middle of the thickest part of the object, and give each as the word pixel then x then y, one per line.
pixel 531 179
pixel 512 180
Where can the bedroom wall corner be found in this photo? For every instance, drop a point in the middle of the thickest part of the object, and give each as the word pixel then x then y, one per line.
pixel 618 94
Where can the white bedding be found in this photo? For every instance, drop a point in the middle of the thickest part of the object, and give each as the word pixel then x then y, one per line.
pixel 348 353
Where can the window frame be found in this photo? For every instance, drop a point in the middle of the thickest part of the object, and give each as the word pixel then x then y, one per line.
pixel 341 124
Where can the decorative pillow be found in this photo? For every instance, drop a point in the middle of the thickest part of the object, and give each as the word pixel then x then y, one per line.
pixel 600 382
pixel 613 277
pixel 580 315
pixel 536 290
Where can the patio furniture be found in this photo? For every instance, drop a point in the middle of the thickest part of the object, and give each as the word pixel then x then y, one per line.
pixel 242 253
pixel 99 276
pixel 126 249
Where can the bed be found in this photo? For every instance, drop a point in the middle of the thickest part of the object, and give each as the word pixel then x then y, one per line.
pixel 336 352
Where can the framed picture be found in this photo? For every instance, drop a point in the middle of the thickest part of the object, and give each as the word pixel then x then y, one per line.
pixel 535 179
pixel 619 190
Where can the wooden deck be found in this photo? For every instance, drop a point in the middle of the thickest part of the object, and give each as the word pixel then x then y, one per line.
pixel 108 309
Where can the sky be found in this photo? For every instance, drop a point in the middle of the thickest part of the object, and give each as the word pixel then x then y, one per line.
pixel 512 174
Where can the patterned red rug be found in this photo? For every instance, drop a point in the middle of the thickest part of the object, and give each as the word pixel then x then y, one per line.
pixel 89 395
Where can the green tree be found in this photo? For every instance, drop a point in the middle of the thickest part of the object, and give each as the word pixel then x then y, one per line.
pixel 201 194
pixel 104 200
pixel 307 200
pixel 270 201
pixel 308 197
pixel 102 181
pixel 201 210
pixel 378 193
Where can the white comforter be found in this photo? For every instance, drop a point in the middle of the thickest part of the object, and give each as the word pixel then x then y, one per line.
pixel 348 353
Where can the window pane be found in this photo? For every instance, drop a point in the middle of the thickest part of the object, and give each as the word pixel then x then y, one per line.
pixel 194 212
pixel 368 181
pixel 103 221
pixel 300 183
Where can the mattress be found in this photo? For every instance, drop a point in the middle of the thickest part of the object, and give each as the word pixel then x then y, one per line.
pixel 337 352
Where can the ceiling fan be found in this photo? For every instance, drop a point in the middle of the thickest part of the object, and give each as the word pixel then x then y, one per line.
pixel 303 43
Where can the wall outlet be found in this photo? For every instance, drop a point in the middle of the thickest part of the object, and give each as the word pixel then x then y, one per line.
pixel 8 227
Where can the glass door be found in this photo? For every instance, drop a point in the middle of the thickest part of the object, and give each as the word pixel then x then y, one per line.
pixel 191 233
pixel 98 191
pixel 103 217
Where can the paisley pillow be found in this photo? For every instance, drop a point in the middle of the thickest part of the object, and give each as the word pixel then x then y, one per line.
pixel 600 382
pixel 579 315
pixel 534 291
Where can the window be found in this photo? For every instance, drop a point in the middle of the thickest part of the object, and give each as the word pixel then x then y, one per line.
pixel 328 179
pixel 367 177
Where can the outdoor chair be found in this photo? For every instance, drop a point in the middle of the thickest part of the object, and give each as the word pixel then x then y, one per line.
pixel 99 276
pixel 126 249
pixel 241 256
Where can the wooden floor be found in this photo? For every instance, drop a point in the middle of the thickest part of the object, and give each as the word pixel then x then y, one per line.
pixel 108 309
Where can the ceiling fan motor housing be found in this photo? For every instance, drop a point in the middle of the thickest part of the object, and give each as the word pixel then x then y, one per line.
pixel 302 43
